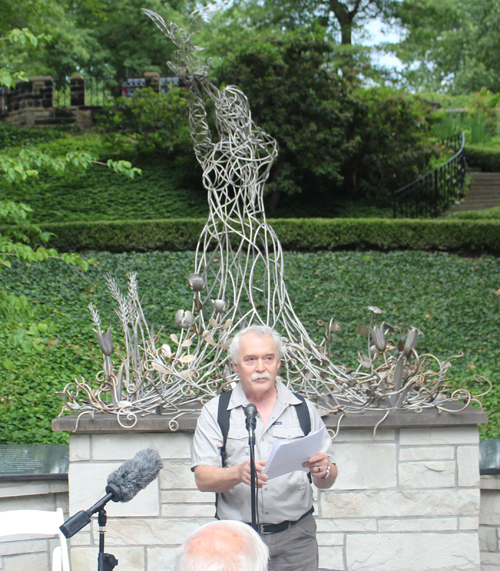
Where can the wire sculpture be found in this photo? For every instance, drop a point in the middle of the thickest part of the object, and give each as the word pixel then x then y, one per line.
pixel 238 279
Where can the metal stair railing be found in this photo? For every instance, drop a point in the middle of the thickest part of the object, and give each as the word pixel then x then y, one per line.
pixel 434 192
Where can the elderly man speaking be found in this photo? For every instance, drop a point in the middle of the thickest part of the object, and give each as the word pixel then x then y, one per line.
pixel 284 503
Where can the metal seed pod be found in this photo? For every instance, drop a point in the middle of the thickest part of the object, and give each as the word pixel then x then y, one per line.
pixel 378 335
pixel 184 319
pixel 105 341
pixel 218 304
pixel 411 342
pixel 196 282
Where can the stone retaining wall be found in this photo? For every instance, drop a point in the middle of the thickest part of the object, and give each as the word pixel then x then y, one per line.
pixel 489 520
pixel 406 499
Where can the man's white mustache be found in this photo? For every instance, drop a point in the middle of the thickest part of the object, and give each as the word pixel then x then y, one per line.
pixel 263 375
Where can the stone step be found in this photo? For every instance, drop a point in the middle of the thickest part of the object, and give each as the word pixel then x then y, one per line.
pixel 483 196
pixel 470 207
pixel 484 192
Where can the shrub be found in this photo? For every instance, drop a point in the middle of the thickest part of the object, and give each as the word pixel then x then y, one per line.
pixel 149 121
pixel 301 102
pixel 485 158
pixel 333 139
pixel 294 234
pixel 485 214
pixel 391 147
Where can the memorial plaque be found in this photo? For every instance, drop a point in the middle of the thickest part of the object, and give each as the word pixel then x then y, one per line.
pixel 489 456
pixel 33 459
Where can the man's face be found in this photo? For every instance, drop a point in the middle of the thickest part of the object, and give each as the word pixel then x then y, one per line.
pixel 257 365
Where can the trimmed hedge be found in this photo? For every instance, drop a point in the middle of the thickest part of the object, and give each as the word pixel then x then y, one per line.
pixel 492 213
pixel 485 158
pixel 295 234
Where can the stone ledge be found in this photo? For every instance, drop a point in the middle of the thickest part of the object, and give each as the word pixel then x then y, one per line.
pixel 107 423
pixel 32 477
pixel 490 482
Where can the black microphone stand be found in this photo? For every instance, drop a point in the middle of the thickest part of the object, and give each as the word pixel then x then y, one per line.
pixel 105 561
pixel 251 421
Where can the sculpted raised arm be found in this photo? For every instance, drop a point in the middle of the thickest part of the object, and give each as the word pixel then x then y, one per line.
pixel 193 72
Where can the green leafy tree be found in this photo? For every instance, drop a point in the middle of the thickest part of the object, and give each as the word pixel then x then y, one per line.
pixel 98 38
pixel 65 49
pixel 148 122
pixel 296 97
pixel 450 45
pixel 332 15
pixel 19 238
pixel 390 143
pixel 123 44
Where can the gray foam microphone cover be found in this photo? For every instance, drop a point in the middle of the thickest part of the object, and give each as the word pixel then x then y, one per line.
pixel 135 474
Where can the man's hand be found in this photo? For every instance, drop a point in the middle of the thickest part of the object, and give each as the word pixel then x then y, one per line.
pixel 318 464
pixel 214 479
pixel 245 473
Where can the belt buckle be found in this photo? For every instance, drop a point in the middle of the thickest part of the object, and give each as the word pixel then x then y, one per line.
pixel 263 532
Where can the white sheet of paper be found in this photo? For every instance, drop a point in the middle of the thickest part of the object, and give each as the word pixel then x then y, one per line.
pixel 289 455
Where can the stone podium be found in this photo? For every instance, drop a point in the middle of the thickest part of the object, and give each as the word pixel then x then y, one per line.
pixel 406 499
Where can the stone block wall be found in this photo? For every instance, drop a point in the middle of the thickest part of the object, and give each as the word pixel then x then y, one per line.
pixel 489 529
pixel 31 104
pixel 407 499
pixel 37 93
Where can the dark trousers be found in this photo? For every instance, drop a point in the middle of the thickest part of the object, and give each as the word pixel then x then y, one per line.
pixel 294 549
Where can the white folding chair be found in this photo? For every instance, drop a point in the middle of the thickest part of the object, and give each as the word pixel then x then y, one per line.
pixel 39 523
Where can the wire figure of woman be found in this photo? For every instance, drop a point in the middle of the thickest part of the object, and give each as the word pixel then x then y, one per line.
pixel 239 259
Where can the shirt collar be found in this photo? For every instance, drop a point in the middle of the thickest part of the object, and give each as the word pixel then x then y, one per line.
pixel 284 395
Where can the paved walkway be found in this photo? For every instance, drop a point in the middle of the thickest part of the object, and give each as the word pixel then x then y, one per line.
pixel 484 192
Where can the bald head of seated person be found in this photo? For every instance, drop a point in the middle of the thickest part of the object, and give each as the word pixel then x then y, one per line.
pixel 223 546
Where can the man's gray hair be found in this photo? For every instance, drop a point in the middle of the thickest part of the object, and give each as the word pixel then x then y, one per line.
pixel 253 555
pixel 261 331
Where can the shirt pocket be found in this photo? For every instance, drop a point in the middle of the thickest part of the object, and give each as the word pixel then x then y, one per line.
pixel 287 431
pixel 237 446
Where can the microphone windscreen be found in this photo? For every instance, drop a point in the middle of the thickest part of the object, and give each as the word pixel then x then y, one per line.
pixel 135 474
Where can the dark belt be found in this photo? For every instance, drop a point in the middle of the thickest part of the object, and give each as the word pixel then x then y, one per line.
pixel 266 529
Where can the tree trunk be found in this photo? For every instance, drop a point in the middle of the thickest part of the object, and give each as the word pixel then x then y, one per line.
pixel 274 200
pixel 345 18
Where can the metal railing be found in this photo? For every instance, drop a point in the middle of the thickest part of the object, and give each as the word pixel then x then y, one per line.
pixel 433 193
pixel 98 91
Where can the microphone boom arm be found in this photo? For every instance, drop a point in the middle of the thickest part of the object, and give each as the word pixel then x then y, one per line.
pixel 77 522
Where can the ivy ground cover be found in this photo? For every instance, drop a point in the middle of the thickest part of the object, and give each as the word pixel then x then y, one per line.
pixel 453 299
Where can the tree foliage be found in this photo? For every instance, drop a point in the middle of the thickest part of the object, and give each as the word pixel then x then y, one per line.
pixel 334 16
pixel 451 44
pixel 334 137
pixel 98 38
pixel 20 239
pixel 296 98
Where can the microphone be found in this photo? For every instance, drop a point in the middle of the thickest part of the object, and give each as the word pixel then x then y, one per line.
pixel 123 485
pixel 134 475
pixel 251 417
